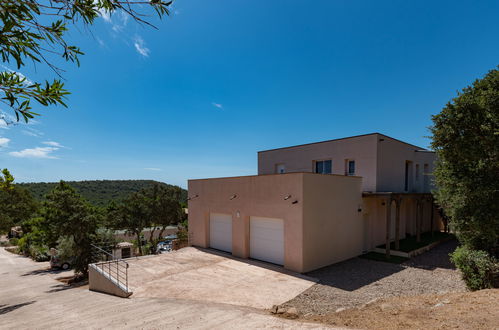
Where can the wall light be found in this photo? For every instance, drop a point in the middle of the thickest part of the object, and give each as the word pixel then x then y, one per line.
pixel 232 197
pixel 287 197
pixel 190 198
pixel 295 202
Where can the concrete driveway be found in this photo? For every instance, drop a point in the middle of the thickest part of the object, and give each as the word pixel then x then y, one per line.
pixel 205 275
pixel 32 298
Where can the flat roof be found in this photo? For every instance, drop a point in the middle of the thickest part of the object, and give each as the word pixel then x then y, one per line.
pixel 349 137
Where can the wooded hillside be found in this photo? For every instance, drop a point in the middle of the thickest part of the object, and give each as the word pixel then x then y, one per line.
pixel 101 192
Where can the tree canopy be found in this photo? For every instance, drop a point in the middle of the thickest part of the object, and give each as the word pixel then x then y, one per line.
pixel 67 214
pixel 102 192
pixel 35 31
pixel 466 140
pixel 16 203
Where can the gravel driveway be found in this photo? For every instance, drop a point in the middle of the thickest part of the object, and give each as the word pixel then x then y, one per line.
pixel 358 281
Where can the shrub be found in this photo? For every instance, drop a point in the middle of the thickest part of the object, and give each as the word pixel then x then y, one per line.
pixel 477 267
pixel 39 253
pixel 13 241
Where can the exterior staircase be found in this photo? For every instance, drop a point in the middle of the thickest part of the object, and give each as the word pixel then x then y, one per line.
pixel 110 276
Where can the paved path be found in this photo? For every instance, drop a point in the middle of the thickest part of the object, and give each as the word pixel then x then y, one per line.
pixel 209 276
pixel 31 298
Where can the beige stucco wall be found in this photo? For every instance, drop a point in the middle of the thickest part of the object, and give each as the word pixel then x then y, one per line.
pixel 362 149
pixel 392 156
pixel 256 196
pixel 333 227
pixel 379 160
pixel 100 283
pixel 374 219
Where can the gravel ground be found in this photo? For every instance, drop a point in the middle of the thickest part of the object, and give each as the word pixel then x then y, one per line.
pixel 356 282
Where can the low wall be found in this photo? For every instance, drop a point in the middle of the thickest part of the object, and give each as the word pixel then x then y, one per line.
pixel 97 281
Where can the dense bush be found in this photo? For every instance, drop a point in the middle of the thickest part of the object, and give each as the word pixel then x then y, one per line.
pixel 466 140
pixel 477 267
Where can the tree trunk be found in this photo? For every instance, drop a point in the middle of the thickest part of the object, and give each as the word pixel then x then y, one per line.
pixel 139 242
pixel 151 238
pixel 161 232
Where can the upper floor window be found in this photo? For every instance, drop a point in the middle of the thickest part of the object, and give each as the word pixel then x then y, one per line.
pixel 323 166
pixel 350 167
pixel 280 168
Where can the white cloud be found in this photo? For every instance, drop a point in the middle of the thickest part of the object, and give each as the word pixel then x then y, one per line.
pixel 32 132
pixel 27 81
pixel 4 142
pixel 101 42
pixel 140 46
pixel 217 105
pixel 38 152
pixel 53 144
pixel 152 169
pixel 105 15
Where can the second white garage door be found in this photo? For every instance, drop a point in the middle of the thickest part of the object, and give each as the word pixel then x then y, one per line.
pixel 221 231
pixel 267 239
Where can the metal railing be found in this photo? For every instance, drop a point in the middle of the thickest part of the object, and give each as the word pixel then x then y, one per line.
pixel 113 268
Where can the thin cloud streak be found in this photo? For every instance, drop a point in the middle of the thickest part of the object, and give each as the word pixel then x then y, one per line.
pixel 152 169
pixel 140 46
pixel 4 142
pixel 217 105
pixel 38 152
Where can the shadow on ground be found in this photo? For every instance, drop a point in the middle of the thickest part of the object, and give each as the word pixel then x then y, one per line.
pixel 355 273
pixel 258 263
pixel 4 309
pixel 437 257
pixel 44 271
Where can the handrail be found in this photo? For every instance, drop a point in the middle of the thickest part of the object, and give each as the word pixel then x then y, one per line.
pixel 117 266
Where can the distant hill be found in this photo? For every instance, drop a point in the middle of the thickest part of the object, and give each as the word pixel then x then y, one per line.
pixel 101 192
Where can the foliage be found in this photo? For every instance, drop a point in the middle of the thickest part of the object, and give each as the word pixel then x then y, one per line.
pixel 102 192
pixel 477 267
pixel 466 140
pixel 16 203
pixel 35 31
pixel 163 210
pixel 150 207
pixel 66 247
pixel 68 215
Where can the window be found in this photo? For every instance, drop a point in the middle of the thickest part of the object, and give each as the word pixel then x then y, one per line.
pixel 280 168
pixel 350 167
pixel 323 166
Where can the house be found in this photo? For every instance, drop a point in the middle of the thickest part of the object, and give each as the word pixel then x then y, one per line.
pixel 316 204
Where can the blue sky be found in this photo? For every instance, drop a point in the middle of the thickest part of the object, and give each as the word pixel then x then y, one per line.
pixel 220 80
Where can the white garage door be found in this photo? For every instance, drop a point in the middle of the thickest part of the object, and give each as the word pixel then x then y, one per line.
pixel 267 239
pixel 221 231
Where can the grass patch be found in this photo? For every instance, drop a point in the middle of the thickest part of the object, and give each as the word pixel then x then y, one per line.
pixel 382 257
pixel 409 244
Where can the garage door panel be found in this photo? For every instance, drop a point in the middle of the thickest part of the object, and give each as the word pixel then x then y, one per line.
pixel 221 231
pixel 267 239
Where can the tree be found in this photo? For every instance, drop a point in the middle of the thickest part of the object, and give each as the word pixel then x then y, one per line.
pixel 132 214
pixel 68 215
pixel 16 203
pixel 164 210
pixel 466 140
pixel 35 31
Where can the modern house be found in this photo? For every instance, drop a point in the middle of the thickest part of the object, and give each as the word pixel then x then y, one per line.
pixel 316 204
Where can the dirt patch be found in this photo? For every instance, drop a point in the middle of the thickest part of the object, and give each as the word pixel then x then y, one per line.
pixel 466 310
